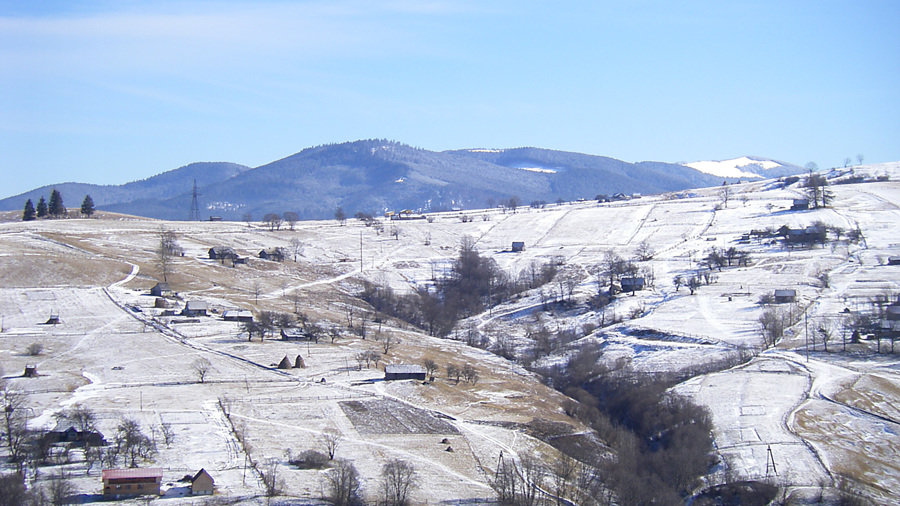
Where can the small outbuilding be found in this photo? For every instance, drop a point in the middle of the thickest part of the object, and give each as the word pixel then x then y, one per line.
pixel 74 436
pixel 800 205
pixel 195 308
pixel 131 482
pixel 518 246
pixel 632 284
pixel 892 312
pixel 237 315
pixel 274 254
pixel 402 372
pixel 221 253
pixel 202 483
pixel 161 290
pixel 893 260
pixel 784 296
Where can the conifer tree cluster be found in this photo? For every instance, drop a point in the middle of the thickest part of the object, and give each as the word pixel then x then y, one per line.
pixel 55 209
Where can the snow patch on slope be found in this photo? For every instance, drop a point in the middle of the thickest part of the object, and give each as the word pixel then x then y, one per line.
pixel 733 168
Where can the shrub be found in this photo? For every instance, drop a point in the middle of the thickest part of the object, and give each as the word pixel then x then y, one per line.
pixel 310 459
pixel 35 349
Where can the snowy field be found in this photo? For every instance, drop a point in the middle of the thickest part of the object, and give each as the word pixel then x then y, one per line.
pixel 822 416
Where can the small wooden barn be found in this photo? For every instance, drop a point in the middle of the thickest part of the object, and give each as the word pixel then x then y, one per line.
pixel 221 253
pixel 195 308
pixel 161 290
pixel 518 246
pixel 785 295
pixel 202 483
pixel 632 284
pixel 237 315
pixel 274 254
pixel 893 260
pixel 800 205
pixel 402 372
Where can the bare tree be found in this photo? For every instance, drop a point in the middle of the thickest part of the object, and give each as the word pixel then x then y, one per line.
pixel 133 443
pixel 398 478
pixel 470 373
pixel 14 412
pixel 60 489
pixel 430 367
pixel 167 432
pixel 330 440
pixel 165 251
pixel 272 484
pixel 389 342
pixel 563 471
pixel 202 367
pixel 273 221
pixel 296 247
pixel 291 218
pixel 343 484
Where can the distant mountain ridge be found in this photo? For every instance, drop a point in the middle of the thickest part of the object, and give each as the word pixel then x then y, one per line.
pixel 746 167
pixel 377 175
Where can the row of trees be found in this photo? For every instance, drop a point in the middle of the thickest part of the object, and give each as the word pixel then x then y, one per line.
pixel 55 209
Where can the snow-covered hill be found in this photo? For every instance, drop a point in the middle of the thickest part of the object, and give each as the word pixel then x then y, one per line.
pixel 745 167
pixel 823 415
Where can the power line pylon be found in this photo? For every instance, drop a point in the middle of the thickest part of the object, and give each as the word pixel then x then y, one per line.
pixel 195 206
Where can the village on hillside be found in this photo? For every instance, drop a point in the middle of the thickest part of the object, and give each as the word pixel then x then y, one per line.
pixel 492 356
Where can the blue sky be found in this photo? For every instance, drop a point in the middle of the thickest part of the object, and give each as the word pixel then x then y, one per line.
pixel 113 91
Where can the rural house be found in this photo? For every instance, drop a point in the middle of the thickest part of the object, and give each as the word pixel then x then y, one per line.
pixel 786 295
pixel 161 290
pixel 402 372
pixel 131 482
pixel 195 308
pixel 202 483
pixel 74 436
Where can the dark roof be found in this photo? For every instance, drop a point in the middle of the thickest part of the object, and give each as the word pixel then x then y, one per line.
pixel 200 473
pixel 786 293
pixel 196 305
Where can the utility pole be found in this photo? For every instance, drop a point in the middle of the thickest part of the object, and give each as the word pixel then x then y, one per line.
pixel 770 461
pixel 195 205
pixel 806 332
pixel 360 253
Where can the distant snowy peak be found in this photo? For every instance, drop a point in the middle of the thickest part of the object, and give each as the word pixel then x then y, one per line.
pixel 745 167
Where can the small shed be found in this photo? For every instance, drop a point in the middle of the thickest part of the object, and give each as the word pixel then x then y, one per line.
pixel 131 482
pixel 30 371
pixel 202 483
pixel 195 308
pixel 238 315
pixel 290 334
pixel 161 290
pixel 632 284
pixel 800 205
pixel 893 260
pixel 221 253
pixel 892 313
pixel 274 254
pixel 402 372
pixel 786 295
pixel 518 246
pixel 285 363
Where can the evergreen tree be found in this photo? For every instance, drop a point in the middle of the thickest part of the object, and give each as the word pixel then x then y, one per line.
pixel 87 206
pixel 42 208
pixel 56 208
pixel 28 214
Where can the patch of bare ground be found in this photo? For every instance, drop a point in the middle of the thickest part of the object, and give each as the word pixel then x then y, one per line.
pixel 873 393
pixel 864 452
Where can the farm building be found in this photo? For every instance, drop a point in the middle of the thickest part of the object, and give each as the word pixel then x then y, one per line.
pixel 892 312
pixel 297 335
pixel 518 246
pixel 783 296
pixel 631 284
pixel 74 436
pixel 800 205
pixel 161 290
pixel 221 253
pixel 202 483
pixel 131 482
pixel 195 308
pixel 274 254
pixel 237 315
pixel 402 372
pixel 893 260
